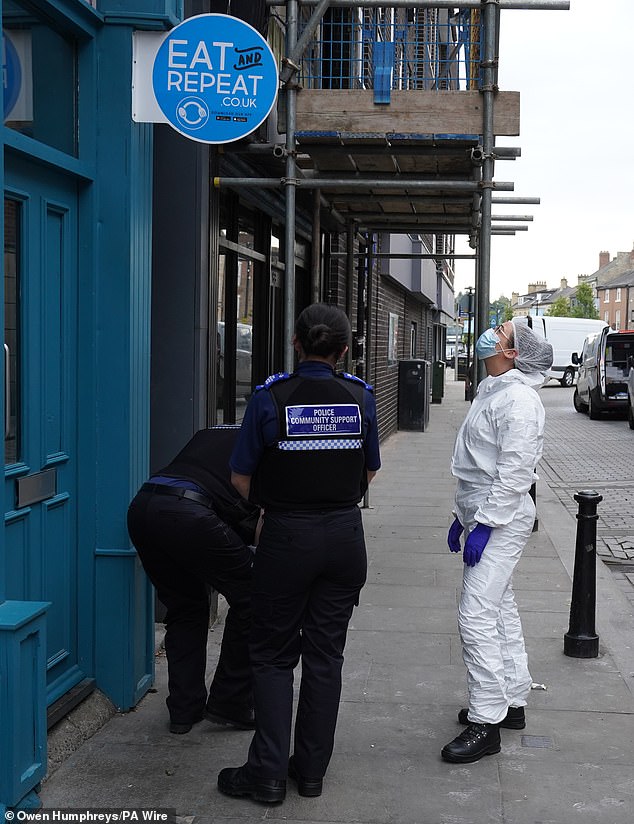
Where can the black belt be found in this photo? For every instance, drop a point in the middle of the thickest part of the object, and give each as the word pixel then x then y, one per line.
pixel 162 489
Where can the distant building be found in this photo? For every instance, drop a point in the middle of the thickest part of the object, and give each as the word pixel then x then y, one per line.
pixel 616 301
pixel 535 301
pixel 538 300
pixel 609 269
pixel 610 276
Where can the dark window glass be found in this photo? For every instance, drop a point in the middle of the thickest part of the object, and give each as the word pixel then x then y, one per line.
pixel 11 328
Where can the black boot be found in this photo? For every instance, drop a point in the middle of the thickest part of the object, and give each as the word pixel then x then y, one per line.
pixel 238 781
pixel 308 787
pixel 474 742
pixel 230 715
pixel 177 728
pixel 515 718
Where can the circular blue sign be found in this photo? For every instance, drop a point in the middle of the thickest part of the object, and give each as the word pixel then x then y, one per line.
pixel 215 78
pixel 12 74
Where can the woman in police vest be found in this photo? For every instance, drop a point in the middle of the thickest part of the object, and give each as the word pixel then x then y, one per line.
pixel 306 452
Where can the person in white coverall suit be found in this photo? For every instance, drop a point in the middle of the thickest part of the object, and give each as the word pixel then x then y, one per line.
pixel 494 459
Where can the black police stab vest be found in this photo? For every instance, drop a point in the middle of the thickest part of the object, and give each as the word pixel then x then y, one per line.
pixel 318 461
pixel 205 460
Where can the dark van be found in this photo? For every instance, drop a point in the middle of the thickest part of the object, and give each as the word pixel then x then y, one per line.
pixel 603 372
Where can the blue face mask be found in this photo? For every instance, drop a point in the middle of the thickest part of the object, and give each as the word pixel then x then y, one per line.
pixel 485 344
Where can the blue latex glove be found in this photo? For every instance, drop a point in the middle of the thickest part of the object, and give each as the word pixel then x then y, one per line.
pixel 453 536
pixel 477 539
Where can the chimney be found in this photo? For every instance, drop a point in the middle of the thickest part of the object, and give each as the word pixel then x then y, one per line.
pixel 515 296
pixel 532 288
pixel 564 283
pixel 604 259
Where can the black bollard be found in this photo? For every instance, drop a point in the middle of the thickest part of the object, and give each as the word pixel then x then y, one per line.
pixel 533 493
pixel 581 640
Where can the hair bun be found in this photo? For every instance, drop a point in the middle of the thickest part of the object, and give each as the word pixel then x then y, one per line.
pixel 323 330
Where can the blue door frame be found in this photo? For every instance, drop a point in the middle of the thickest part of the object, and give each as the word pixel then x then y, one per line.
pixel 41 520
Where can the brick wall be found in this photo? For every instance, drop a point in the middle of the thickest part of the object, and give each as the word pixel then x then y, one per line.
pixel 391 298
pixel 388 297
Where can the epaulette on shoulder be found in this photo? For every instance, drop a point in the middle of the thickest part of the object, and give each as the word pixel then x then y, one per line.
pixel 279 376
pixel 347 376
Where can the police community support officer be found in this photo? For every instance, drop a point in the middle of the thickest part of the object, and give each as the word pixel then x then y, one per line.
pixel 179 523
pixel 309 442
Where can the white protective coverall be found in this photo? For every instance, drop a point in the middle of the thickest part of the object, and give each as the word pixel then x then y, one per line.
pixel 495 455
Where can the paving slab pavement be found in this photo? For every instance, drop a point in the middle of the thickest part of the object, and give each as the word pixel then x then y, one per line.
pixel 404 682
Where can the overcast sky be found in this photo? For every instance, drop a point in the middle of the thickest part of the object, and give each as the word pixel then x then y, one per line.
pixel 575 74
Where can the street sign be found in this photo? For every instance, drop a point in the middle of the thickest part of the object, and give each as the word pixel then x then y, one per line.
pixel 215 78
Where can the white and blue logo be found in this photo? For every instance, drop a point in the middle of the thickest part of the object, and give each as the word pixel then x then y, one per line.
pixel 322 419
pixel 215 78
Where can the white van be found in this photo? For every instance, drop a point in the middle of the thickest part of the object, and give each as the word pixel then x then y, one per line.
pixel 566 335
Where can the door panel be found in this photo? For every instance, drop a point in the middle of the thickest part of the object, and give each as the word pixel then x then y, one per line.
pixel 41 450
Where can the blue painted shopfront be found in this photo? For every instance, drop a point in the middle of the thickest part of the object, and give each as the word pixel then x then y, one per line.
pixel 75 606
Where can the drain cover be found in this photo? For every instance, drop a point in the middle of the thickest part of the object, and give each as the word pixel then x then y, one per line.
pixel 538 741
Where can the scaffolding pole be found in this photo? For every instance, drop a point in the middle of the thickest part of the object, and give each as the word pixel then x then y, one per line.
pixel 410 256
pixel 290 183
pixel 514 201
pixel 356 184
pixel 439 219
pixel 539 5
pixel 490 19
pixel 350 261
pixel 315 260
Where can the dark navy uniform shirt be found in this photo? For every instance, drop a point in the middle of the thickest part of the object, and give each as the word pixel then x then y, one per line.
pixel 260 427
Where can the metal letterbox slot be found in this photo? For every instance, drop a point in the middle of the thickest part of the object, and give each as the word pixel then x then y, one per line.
pixel 35 488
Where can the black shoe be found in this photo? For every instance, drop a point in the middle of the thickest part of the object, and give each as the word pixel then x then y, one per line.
pixel 514 720
pixel 308 787
pixel 241 718
pixel 474 742
pixel 237 781
pixel 182 729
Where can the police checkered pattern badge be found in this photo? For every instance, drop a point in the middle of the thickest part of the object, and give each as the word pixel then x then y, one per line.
pixel 313 444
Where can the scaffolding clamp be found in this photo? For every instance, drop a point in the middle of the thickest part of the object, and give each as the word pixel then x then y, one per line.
pixel 290 181
pixel 289 71
pixel 477 155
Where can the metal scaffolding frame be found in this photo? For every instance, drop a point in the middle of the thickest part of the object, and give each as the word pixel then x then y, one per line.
pixel 479 225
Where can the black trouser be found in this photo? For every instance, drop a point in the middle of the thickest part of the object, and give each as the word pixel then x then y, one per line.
pixel 184 546
pixel 309 569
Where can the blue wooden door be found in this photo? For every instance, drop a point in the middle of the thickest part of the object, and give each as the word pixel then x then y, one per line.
pixel 41 414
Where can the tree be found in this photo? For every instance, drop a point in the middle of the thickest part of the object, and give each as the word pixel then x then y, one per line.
pixel 560 308
pixel 584 303
pixel 501 309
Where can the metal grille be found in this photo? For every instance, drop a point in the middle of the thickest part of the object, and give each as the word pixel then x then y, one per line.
pixel 427 49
